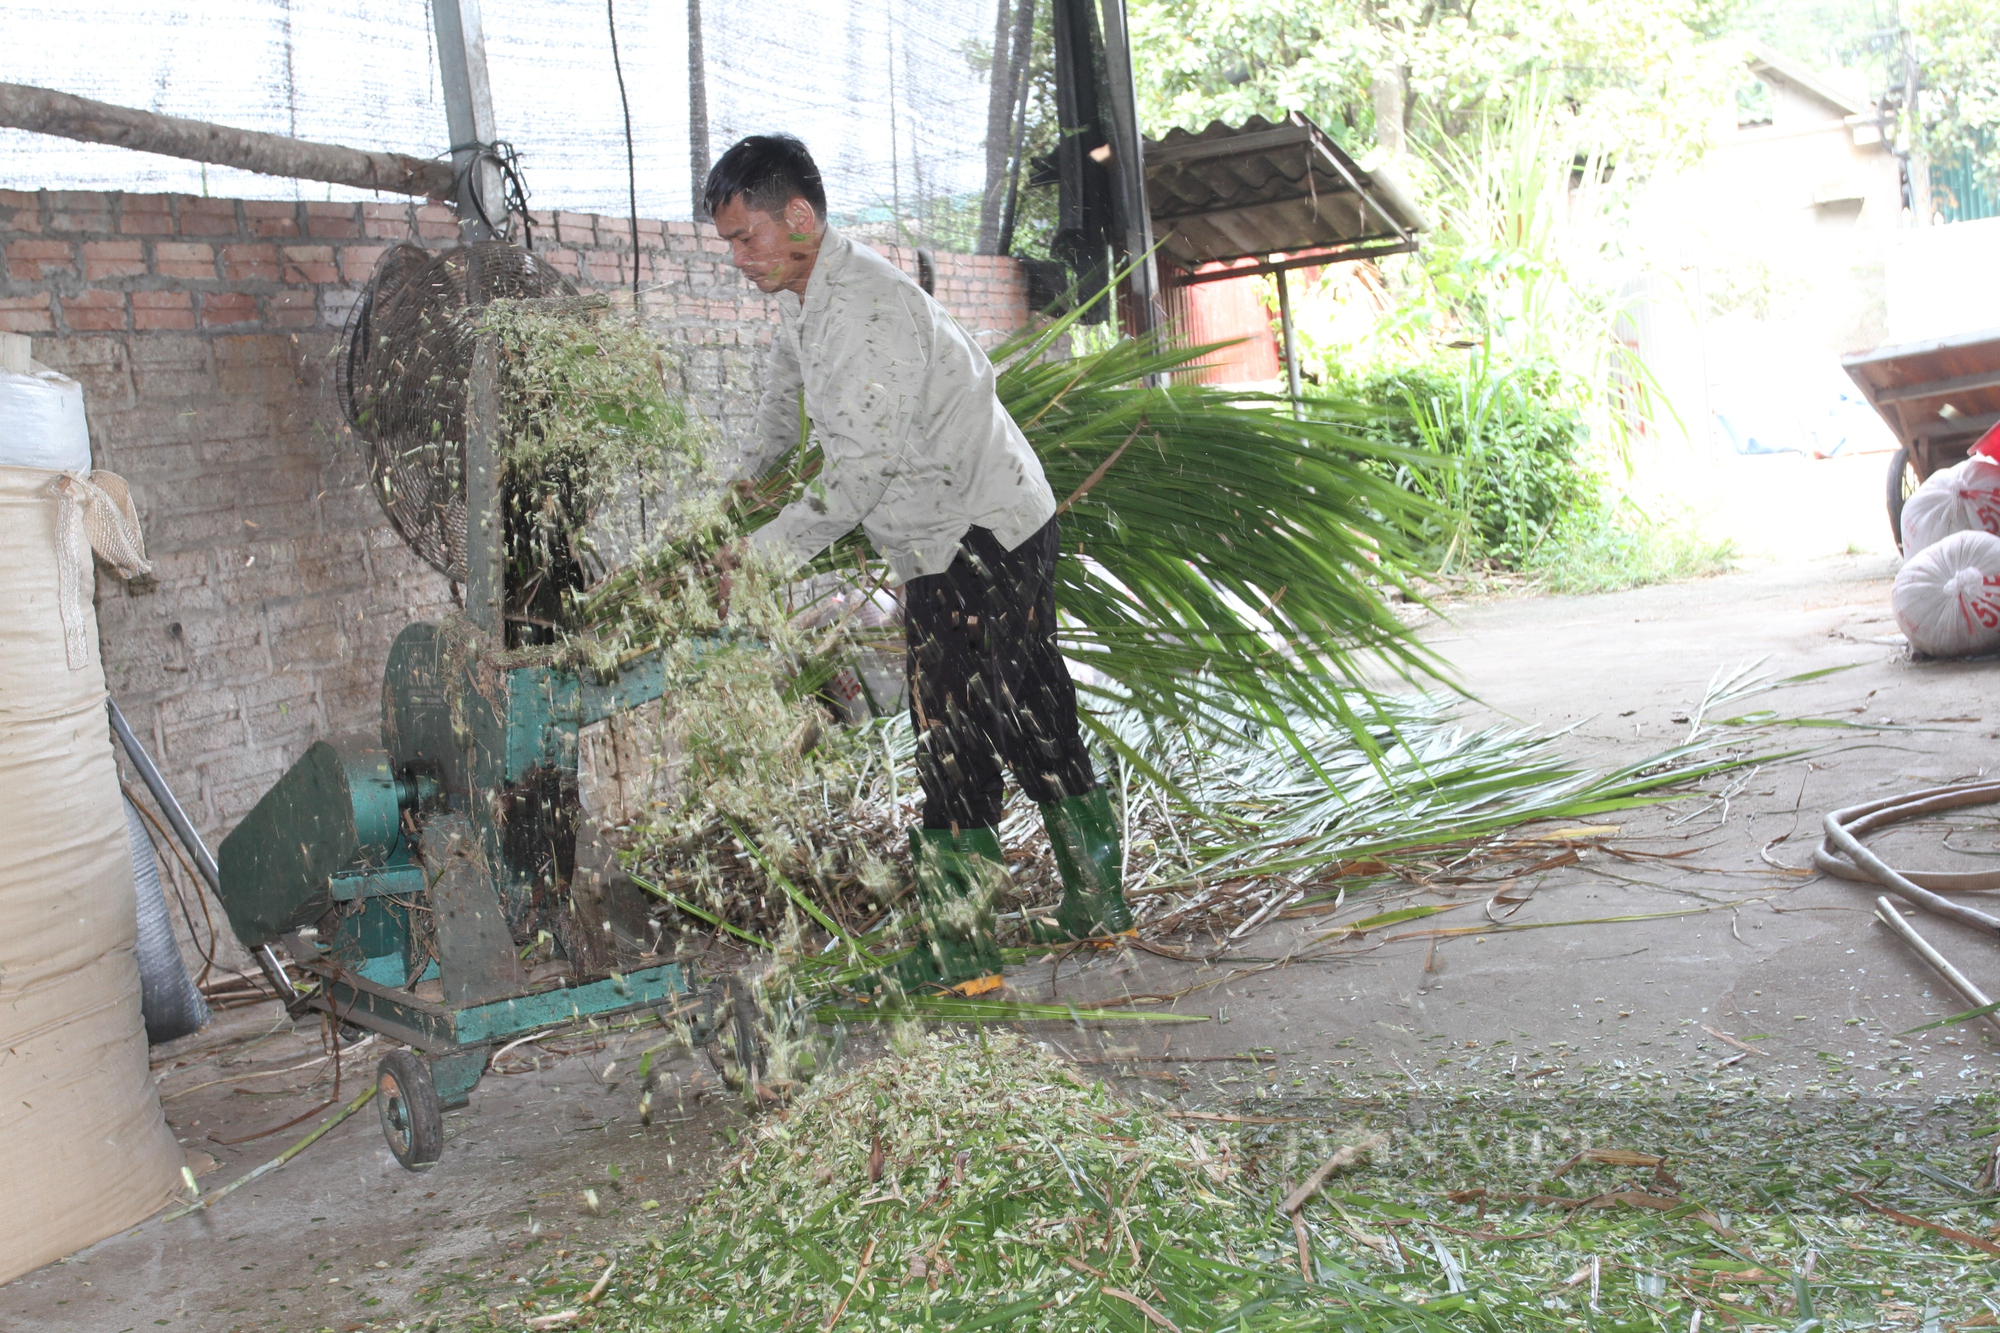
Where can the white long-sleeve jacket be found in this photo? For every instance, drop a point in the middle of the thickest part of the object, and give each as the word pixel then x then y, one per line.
pixel 917 446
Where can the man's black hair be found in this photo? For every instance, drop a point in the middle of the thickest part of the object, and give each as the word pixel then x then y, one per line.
pixel 769 171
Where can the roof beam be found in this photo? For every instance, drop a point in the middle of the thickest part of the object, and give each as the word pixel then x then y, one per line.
pixel 1903 393
pixel 45 111
pixel 1317 259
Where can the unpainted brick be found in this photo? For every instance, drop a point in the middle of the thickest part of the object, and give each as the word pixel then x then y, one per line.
pixel 293 308
pixel 95 311
pixel 113 259
pixel 184 259
pixel 20 211
pixel 26 314
pixel 309 263
pixel 207 217
pixel 268 217
pixel 358 261
pixel 224 309
pixel 245 263
pixel 389 222
pixel 79 211
pixel 333 222
pixel 145 215
pixel 36 260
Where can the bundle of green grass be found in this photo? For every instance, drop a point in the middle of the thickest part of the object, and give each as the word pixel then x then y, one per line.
pixel 975 1183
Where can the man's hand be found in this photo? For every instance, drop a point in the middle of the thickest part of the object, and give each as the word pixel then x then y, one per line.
pixel 725 562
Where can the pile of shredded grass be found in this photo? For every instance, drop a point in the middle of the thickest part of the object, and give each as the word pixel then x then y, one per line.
pixel 977 1183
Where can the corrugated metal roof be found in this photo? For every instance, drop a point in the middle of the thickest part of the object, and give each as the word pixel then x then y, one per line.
pixel 1263 188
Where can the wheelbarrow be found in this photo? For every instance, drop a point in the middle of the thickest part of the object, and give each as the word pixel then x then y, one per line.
pixel 1938 397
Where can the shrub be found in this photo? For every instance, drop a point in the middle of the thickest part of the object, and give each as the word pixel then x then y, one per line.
pixel 1509 445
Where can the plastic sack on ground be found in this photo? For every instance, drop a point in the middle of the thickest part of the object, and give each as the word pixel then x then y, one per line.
pixel 41 422
pixel 1947 597
pixel 84 1150
pixel 1965 498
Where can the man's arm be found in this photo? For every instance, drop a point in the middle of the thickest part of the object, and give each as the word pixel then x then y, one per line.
pixel 863 441
pixel 775 429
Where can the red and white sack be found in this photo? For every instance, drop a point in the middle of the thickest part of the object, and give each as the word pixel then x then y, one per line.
pixel 1965 498
pixel 1947 596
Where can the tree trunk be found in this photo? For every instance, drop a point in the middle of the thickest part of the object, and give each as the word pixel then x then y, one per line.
pixel 698 160
pixel 1010 67
pixel 1387 91
pixel 48 112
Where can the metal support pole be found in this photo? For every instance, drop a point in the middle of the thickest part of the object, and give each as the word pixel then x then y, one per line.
pixel 1291 345
pixel 197 850
pixel 485 528
pixel 468 112
pixel 1129 162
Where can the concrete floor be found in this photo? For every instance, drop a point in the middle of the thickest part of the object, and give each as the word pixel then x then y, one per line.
pixel 1798 964
pixel 343 1238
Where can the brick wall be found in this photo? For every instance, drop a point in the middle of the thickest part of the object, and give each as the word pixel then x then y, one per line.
pixel 203 332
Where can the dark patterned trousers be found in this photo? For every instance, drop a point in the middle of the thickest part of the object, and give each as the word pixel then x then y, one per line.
pixel 987 684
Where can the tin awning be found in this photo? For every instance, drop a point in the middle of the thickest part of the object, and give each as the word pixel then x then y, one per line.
pixel 1263 197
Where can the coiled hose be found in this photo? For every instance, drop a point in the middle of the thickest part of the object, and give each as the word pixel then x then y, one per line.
pixel 172 1006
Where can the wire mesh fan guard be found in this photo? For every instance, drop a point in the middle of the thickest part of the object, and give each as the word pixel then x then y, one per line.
pixel 402 377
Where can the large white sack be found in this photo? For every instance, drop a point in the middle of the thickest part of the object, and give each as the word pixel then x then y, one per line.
pixel 1947 596
pixel 84 1150
pixel 1964 498
pixel 41 422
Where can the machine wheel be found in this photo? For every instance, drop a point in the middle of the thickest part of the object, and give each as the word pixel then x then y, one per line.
pixel 1903 483
pixel 408 1102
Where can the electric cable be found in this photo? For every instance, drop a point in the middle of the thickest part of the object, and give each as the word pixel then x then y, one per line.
pixel 631 166
pixel 513 189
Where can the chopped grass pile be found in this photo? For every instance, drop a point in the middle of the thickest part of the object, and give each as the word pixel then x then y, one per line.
pixel 978 1184
pixel 1011 1196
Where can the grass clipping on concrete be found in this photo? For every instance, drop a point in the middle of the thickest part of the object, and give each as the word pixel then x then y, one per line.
pixel 965 1183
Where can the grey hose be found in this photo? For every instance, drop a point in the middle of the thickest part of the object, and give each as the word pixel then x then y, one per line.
pixel 204 861
pixel 1860 819
pixel 172 1006
pixel 1840 841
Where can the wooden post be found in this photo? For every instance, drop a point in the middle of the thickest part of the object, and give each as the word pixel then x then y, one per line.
pixel 485 525
pixel 1291 346
pixel 47 112
pixel 16 354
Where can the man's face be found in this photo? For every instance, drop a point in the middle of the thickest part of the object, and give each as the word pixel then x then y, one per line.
pixel 775 253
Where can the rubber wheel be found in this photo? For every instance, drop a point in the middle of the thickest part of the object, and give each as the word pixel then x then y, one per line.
pixel 1903 483
pixel 408 1101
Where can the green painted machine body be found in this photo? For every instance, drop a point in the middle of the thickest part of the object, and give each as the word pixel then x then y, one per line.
pixel 331 860
pixel 332 815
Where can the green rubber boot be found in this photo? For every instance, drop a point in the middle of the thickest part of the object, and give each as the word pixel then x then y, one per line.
pixel 956 881
pixel 1084 834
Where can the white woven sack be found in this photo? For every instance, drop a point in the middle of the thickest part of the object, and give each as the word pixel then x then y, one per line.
pixel 41 422
pixel 1947 597
pixel 84 1150
pixel 1965 498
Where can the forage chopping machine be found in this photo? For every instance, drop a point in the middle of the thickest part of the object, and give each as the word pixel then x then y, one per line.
pixel 430 880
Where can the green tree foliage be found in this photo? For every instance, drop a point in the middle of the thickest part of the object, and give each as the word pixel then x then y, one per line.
pixel 1511 454
pixel 1637 75
pixel 1958 44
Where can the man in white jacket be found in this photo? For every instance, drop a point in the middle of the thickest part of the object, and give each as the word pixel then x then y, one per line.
pixel 920 453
